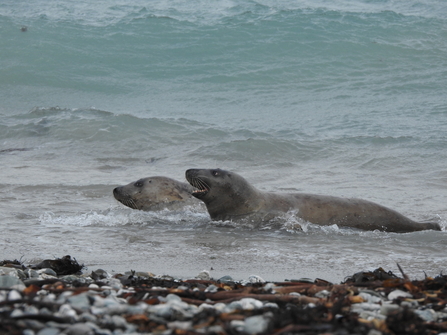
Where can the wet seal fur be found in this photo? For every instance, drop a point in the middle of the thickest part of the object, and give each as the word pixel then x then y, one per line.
pixel 228 196
pixel 156 193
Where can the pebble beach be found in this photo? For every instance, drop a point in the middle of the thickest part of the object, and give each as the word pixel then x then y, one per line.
pixel 60 297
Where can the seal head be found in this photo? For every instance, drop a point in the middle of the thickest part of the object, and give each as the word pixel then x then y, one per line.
pixel 155 193
pixel 225 194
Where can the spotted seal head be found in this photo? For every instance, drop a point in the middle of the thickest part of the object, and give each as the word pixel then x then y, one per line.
pixel 155 193
pixel 228 196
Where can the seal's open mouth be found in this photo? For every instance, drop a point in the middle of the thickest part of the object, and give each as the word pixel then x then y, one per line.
pixel 202 188
pixel 200 193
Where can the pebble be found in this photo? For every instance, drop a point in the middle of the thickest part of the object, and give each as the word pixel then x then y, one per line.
pixel 32 274
pixel 322 294
pixel 13 282
pixel 428 315
pixel 388 308
pixel 79 329
pixel 255 279
pixel 100 274
pixel 399 294
pixel 248 304
pixel 80 301
pixel 366 306
pixel 47 271
pixel 226 280
pixel 204 275
pixel 370 298
pixel 14 295
pixel 257 324
pixel 212 289
pixel 49 331
pixel 67 310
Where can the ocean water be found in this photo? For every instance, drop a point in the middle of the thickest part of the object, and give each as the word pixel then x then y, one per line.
pixel 345 98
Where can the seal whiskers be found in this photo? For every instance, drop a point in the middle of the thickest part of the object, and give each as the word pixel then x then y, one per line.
pixel 200 185
pixel 130 203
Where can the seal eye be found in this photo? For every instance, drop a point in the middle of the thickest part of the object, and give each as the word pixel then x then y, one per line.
pixel 215 173
pixel 138 183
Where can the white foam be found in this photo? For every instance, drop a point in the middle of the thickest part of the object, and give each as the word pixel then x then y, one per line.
pixel 114 217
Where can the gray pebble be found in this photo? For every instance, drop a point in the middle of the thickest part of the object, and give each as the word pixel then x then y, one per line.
pixel 67 310
pixel 114 283
pixel 73 278
pixel 16 313
pixel 4 270
pixel 410 304
pixel 204 275
pixel 80 301
pixel 32 324
pixel 79 329
pixel 47 271
pixel 144 274
pixel 249 304
pixel 48 331
pixel 119 321
pixel 226 280
pixel 13 282
pixel 370 298
pixel 211 289
pixel 256 324
pixel 271 305
pixel 388 308
pixel 255 279
pixel 426 314
pixel 238 325
pixel 366 306
pixel 21 274
pixel 45 311
pixel 14 295
pixel 103 332
pixel 32 274
pixel 100 274
pixel 184 325
pixel 87 317
pixel 172 297
pixel 31 310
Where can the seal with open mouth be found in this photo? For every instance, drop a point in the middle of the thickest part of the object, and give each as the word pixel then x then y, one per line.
pixel 228 196
pixel 156 193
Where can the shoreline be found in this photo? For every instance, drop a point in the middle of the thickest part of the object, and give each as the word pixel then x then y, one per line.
pixel 55 297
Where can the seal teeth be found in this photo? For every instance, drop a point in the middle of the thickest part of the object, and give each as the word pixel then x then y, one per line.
pixel 200 185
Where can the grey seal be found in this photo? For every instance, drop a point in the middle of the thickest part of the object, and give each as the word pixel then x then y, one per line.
pixel 156 193
pixel 228 196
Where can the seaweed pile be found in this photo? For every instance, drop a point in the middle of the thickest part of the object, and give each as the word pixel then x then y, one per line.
pixel 55 297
